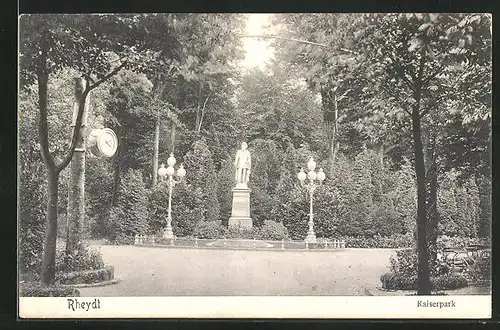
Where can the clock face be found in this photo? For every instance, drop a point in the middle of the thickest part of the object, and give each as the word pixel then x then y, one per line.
pixel 107 142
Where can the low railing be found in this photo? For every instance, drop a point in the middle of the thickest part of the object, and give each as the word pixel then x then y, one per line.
pixel 225 243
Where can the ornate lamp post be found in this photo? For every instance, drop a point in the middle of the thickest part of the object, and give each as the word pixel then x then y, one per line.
pixel 315 180
pixel 170 171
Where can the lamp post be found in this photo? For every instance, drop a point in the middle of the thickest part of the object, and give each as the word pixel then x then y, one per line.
pixel 170 172
pixel 315 180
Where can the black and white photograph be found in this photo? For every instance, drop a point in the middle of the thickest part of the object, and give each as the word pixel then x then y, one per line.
pixel 235 164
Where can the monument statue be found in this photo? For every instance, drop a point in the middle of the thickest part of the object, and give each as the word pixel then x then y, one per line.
pixel 243 164
pixel 240 214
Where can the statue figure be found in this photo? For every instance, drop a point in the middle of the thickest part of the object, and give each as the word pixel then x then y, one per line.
pixel 243 164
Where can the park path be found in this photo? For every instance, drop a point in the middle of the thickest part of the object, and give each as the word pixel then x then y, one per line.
pixel 147 271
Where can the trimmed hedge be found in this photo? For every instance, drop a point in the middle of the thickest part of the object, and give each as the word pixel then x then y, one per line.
pixel 241 232
pixel 273 231
pixel 398 281
pixel 31 289
pixel 444 241
pixel 86 277
pixel 209 229
pixel 393 242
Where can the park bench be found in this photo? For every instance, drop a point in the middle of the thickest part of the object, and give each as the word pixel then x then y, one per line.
pixel 461 259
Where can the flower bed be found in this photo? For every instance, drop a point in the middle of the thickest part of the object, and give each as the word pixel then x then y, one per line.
pixel 398 281
pixel 30 289
pixel 86 276
pixel 194 242
pixel 243 244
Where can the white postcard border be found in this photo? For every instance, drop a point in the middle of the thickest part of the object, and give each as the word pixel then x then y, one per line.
pixel 373 307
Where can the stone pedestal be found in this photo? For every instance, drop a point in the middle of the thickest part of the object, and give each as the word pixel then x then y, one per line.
pixel 240 214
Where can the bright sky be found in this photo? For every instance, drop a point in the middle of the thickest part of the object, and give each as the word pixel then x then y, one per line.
pixel 257 51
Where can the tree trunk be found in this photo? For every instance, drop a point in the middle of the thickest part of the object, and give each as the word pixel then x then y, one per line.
pixel 155 152
pixel 432 211
pixel 381 154
pixel 424 286
pixel 48 271
pixel 330 120
pixel 432 227
pixel 172 138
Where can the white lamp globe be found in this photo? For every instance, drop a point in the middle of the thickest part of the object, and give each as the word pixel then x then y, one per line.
pixel 301 175
pixel 311 164
pixel 321 175
pixel 171 160
pixel 162 171
pixel 311 175
pixel 181 172
pixel 170 171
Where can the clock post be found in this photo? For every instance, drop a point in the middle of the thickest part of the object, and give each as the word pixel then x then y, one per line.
pixel 76 191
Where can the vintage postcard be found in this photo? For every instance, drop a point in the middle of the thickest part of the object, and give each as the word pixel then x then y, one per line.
pixel 255 165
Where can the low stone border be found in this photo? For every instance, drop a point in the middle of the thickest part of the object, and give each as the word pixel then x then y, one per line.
pixel 91 285
pixel 204 247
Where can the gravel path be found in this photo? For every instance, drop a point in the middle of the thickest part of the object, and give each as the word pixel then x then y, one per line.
pixel 147 271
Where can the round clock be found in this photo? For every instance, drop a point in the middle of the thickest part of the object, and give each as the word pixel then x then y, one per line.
pixel 103 142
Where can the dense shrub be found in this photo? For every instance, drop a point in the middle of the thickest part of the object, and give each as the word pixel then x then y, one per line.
pixel 445 241
pixel 187 208
pixel 403 274
pixel 329 208
pixel 86 277
pixel 130 216
pixel 484 188
pixel 271 230
pixel 480 271
pixel 405 195
pixel 385 220
pixel 209 230
pixel 398 281
pixel 291 205
pixel 226 182
pixel 201 175
pixel 405 262
pixel 31 289
pixel 98 195
pixel 297 216
pixel 459 206
pixel 82 259
pixel 264 178
pixel 241 232
pixel 448 282
pixel 33 195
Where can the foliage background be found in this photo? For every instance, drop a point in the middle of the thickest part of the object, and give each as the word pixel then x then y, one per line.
pixel 206 107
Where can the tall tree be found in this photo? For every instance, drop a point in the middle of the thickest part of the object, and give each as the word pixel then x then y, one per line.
pixel 97 46
pixel 412 60
pixel 412 65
